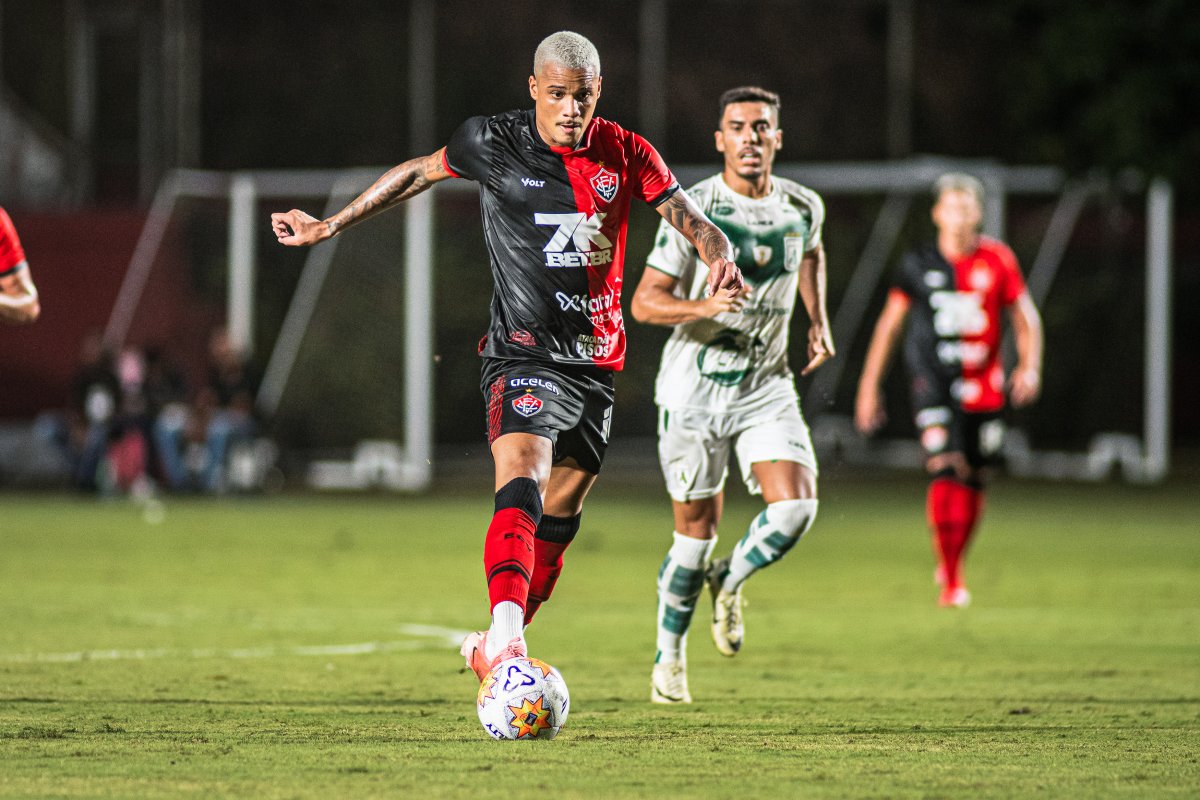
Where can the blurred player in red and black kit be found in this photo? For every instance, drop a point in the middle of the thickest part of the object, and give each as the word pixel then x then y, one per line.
pixel 18 296
pixel 955 291
pixel 556 185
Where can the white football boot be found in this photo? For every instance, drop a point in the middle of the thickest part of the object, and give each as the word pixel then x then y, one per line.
pixel 668 683
pixel 728 630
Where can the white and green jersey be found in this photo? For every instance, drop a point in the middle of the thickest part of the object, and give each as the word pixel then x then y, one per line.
pixel 737 361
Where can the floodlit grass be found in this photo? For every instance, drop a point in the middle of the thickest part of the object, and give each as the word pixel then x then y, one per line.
pixel 200 656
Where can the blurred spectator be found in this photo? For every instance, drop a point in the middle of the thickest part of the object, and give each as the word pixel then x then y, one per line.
pixel 221 417
pixel 228 405
pixel 95 394
pixel 170 418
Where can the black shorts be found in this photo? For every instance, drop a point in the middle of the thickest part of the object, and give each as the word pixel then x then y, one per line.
pixel 570 406
pixel 948 429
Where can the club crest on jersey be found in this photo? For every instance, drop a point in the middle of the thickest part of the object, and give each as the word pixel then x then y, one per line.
pixel 762 254
pixel 606 182
pixel 527 405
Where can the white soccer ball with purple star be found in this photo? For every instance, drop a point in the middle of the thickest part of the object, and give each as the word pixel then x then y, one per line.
pixel 523 698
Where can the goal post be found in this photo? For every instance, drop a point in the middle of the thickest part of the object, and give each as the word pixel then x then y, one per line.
pixel 402 253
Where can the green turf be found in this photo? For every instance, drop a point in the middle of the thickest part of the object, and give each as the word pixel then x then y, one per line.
pixel 1075 673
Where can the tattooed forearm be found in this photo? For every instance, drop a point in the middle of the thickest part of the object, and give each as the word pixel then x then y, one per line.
pixel 712 243
pixel 685 217
pixel 397 185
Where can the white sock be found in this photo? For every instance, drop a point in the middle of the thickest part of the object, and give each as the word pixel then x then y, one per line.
pixel 508 622
pixel 680 581
pixel 772 533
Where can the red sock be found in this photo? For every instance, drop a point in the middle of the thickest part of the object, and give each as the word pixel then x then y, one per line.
pixel 508 548
pixel 554 536
pixel 974 511
pixel 547 566
pixel 950 506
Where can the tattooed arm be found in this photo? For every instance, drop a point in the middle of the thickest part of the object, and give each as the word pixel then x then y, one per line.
pixel 397 185
pixel 712 245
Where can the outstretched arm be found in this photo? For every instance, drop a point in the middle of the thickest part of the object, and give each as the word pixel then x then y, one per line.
pixel 395 186
pixel 869 414
pixel 1025 383
pixel 712 245
pixel 812 292
pixel 18 296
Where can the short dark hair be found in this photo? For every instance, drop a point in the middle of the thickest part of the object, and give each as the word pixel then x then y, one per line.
pixel 747 94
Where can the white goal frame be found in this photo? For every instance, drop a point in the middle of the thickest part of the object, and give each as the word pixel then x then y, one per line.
pixel 408 465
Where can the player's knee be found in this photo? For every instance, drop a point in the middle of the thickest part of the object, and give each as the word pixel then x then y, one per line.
pixel 559 530
pixel 793 517
pixel 697 518
pixel 949 465
pixel 521 493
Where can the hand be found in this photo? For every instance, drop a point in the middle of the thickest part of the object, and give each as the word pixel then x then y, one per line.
pixel 724 274
pixel 296 228
pixel 1025 384
pixel 820 347
pixel 730 300
pixel 869 414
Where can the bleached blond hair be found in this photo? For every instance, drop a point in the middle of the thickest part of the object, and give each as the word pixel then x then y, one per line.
pixel 567 49
pixel 958 182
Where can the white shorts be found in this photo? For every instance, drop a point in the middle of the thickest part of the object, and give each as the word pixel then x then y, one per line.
pixel 693 447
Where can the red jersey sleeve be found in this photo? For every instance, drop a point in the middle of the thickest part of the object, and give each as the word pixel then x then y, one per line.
pixel 1012 282
pixel 11 253
pixel 655 183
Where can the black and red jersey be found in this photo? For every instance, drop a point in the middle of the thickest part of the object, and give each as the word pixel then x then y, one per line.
pixel 554 222
pixel 11 253
pixel 952 346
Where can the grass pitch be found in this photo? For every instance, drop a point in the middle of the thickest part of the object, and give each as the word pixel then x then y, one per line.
pixel 304 647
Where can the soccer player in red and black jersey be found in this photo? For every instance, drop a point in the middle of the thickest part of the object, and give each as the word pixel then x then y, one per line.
pixel 555 187
pixel 954 292
pixel 18 296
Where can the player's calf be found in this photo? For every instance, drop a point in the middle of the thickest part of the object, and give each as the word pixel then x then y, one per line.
pixel 680 582
pixel 553 536
pixel 772 534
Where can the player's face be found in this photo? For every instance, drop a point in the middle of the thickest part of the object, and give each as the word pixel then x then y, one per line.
pixel 564 102
pixel 957 213
pixel 749 138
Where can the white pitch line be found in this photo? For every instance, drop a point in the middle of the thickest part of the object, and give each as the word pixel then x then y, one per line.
pixel 434 637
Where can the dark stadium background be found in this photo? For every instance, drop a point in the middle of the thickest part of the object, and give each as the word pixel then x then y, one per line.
pixel 1093 88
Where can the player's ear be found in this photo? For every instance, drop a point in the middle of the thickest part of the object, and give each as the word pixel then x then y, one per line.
pixel 719 140
pixel 599 81
pixel 533 87
pixel 778 140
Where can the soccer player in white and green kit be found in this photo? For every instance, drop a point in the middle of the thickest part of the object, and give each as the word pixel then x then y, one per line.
pixel 724 383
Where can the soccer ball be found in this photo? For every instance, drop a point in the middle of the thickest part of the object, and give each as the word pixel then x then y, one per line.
pixel 523 698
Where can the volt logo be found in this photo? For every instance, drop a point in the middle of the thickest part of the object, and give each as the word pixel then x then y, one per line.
pixel 532 183
pixel 581 230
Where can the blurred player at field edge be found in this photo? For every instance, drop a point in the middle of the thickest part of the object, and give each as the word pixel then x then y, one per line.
pixel 18 296
pixel 954 291
pixel 724 383
pixel 556 185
